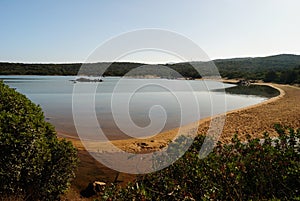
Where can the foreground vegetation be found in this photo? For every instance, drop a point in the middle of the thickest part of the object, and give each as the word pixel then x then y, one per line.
pixel 34 164
pixel 267 169
pixel 279 68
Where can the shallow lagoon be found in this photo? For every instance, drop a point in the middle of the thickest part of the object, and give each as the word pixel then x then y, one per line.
pixel 54 94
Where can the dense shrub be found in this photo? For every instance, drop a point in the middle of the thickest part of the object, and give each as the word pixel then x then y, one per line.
pixel 33 162
pixel 264 169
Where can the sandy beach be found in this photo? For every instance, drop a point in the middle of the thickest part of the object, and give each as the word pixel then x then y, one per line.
pixel 258 119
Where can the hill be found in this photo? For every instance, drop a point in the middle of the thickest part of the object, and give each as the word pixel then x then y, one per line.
pixel 278 68
pixel 257 67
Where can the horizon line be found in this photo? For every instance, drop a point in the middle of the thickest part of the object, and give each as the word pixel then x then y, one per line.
pixel 157 63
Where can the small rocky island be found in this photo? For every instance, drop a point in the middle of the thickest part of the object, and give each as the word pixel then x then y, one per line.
pixel 88 79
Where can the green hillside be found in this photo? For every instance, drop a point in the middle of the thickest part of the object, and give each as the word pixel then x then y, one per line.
pixel 284 68
pixel 256 68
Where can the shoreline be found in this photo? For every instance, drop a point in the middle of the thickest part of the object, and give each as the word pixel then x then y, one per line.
pixel 162 139
pixel 257 119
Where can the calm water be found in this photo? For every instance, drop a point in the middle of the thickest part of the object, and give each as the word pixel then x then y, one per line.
pixel 54 95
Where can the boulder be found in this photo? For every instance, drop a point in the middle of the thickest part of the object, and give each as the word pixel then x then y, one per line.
pixel 92 189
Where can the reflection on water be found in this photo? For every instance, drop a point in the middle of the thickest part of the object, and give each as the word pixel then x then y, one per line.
pixel 54 95
pixel 253 90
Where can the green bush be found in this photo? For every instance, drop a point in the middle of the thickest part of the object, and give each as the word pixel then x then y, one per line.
pixel 267 169
pixel 33 162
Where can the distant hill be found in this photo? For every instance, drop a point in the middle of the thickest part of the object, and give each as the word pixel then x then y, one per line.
pixel 248 68
pixel 115 69
pixel 254 68
pixel 257 66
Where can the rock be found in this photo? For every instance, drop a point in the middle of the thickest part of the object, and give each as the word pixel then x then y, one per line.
pixel 143 144
pixel 92 189
pixel 244 83
pixel 99 186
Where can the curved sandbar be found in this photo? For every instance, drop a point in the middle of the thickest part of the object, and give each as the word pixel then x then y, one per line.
pixel 253 120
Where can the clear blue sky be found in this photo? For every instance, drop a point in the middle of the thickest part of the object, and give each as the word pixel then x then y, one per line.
pixel 68 31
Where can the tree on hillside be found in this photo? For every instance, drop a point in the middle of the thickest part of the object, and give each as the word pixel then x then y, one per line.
pixel 271 76
pixel 33 162
pixel 288 77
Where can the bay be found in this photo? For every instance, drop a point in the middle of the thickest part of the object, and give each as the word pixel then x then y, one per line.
pixel 168 103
